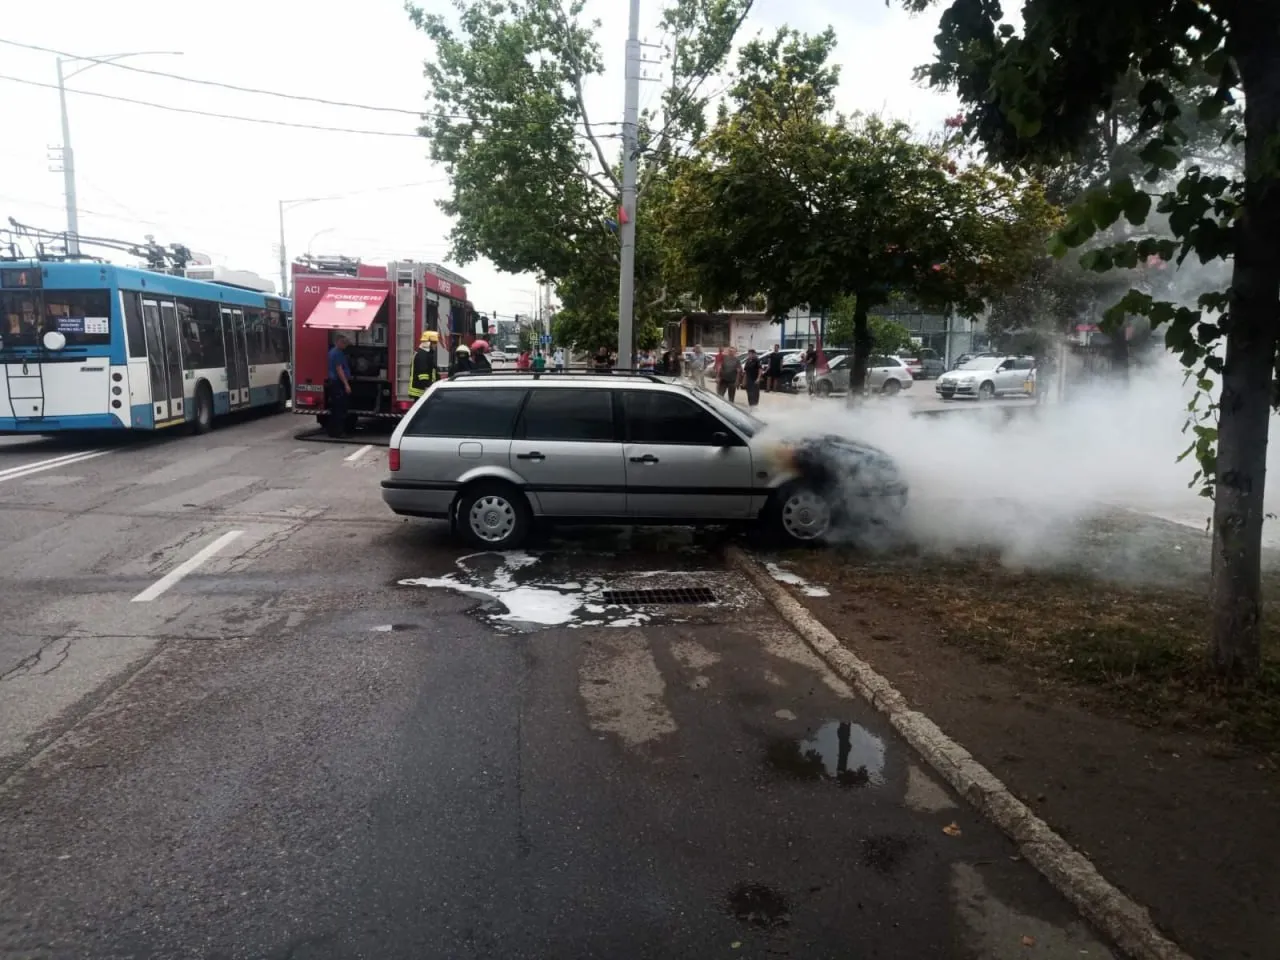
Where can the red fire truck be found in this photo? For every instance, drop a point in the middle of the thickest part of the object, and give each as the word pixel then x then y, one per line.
pixel 382 311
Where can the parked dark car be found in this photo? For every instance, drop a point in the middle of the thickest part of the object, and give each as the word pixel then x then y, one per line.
pixel 793 368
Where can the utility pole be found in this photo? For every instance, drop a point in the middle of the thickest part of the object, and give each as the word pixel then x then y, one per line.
pixel 284 269
pixel 627 215
pixel 68 155
pixel 68 172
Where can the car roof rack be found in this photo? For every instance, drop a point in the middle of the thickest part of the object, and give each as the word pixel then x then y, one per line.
pixel 535 374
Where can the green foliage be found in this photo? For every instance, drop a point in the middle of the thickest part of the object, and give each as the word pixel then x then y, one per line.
pixel 1143 92
pixel 790 201
pixel 1035 97
pixel 534 177
pixel 888 336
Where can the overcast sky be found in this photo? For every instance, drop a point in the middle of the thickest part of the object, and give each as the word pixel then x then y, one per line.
pixel 214 184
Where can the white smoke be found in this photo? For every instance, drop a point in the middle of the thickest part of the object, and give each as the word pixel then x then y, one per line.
pixel 1025 485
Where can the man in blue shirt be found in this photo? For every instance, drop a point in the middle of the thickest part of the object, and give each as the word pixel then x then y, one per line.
pixel 338 387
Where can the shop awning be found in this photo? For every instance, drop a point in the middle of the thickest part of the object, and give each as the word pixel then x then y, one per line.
pixel 345 308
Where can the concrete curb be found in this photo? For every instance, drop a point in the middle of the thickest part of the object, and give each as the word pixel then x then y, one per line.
pixel 1118 917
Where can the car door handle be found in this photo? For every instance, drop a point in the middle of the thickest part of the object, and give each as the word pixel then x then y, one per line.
pixel 535 455
pixel 647 458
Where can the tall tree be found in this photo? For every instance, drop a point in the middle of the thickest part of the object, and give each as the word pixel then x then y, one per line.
pixel 535 176
pixel 1035 95
pixel 789 200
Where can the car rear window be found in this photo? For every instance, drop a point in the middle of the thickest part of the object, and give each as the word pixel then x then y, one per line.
pixel 481 412
pixel 568 414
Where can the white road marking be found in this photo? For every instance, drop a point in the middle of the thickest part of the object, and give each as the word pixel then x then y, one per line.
pixel 26 469
pixel 359 453
pixel 186 567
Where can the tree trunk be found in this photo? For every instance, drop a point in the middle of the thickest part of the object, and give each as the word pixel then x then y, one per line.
pixel 1119 356
pixel 1245 405
pixel 861 347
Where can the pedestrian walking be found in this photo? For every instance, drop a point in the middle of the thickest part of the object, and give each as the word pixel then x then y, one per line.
pixel 647 362
pixel 698 367
pixel 557 360
pixel 539 362
pixel 523 361
pixel 810 368
pixel 480 357
pixel 338 387
pixel 773 369
pixel 751 379
pixel 602 362
pixel 728 373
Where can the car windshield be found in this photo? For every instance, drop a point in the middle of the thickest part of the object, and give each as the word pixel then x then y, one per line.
pixel 747 424
pixel 980 363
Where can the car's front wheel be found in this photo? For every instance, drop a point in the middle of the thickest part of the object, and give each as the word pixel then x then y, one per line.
pixel 987 390
pixel 799 515
pixel 494 516
pixel 823 388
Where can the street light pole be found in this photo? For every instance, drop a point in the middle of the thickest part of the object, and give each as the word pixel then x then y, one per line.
pixel 627 215
pixel 68 154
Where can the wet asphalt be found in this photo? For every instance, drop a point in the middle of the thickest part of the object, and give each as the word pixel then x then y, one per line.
pixel 332 740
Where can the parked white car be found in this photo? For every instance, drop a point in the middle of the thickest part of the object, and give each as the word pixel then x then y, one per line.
pixel 887 375
pixel 983 378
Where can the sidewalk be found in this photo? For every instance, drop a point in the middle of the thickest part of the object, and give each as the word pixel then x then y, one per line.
pixel 1083 697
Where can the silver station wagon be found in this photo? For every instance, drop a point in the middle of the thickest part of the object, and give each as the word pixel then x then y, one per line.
pixel 491 453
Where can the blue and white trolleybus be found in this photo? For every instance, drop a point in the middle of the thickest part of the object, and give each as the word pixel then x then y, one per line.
pixel 95 346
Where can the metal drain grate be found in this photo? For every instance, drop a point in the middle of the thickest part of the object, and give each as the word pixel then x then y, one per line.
pixel 634 598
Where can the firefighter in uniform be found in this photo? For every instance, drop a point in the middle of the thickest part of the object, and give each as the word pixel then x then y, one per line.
pixel 425 369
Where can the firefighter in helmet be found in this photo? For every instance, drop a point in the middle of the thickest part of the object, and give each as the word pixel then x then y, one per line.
pixel 425 369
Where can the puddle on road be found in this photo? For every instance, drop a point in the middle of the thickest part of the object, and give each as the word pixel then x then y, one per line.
pixel 514 597
pixel 779 572
pixel 843 752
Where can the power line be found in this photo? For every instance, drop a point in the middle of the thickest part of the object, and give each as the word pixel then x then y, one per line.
pixel 216 116
pixel 277 93
pixel 267 122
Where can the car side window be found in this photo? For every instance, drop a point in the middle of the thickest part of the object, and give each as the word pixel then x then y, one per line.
pixel 1022 363
pixel 653 416
pixel 487 413
pixel 567 414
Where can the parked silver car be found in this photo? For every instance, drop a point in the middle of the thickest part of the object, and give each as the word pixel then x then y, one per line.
pixel 492 453
pixel 985 377
pixel 887 375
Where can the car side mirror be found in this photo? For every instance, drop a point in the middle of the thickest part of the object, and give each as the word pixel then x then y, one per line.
pixel 721 439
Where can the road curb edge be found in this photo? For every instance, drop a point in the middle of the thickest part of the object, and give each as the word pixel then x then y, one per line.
pixel 1122 919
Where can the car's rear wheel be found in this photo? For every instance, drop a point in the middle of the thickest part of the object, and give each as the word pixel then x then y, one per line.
pixel 987 390
pixel 494 516
pixel 891 388
pixel 799 515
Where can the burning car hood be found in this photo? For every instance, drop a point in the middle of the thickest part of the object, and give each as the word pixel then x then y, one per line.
pixel 832 461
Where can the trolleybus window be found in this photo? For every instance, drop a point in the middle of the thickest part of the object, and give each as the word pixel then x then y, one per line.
pixel 82 316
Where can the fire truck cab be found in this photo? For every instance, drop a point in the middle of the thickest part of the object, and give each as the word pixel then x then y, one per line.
pixel 382 311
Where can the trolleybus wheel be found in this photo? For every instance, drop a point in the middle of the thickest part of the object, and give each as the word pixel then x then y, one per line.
pixel 203 422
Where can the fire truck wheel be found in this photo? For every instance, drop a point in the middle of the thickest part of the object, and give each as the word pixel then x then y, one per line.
pixel 203 421
pixel 493 515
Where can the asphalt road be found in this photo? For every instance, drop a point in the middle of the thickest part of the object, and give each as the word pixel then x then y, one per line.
pixel 247 713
